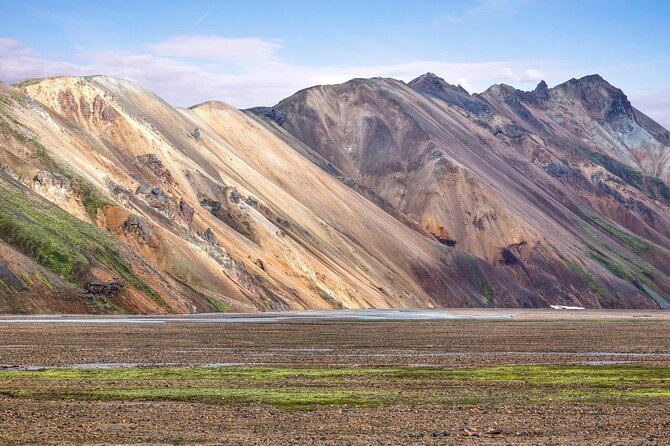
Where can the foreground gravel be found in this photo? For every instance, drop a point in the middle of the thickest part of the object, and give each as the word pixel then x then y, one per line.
pixel 632 338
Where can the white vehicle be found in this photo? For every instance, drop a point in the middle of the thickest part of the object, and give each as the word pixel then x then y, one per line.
pixel 565 307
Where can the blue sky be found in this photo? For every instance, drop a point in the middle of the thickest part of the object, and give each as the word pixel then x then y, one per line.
pixel 257 52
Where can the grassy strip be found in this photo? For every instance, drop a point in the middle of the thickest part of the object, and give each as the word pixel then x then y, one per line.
pixel 651 186
pixel 311 388
pixel 590 281
pixel 285 398
pixel 562 374
pixel 630 268
pixel 629 239
pixel 586 276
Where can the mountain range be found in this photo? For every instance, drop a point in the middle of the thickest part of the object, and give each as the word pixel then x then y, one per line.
pixel 374 193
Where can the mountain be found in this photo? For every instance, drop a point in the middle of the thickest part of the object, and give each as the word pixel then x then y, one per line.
pixel 114 201
pixel 373 193
pixel 565 189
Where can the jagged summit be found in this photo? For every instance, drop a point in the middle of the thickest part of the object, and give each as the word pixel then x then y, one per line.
pixel 598 96
pixel 501 90
pixel 542 90
pixel 432 85
pixel 430 81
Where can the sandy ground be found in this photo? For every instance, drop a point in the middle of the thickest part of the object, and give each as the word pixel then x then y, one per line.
pixel 527 338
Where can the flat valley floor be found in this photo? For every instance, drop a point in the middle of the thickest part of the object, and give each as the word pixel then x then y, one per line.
pixel 489 377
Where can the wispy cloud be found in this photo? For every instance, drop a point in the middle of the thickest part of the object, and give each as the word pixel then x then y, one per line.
pixel 204 16
pixel 655 104
pixel 527 76
pixel 189 70
pixel 259 76
pixel 18 62
pixel 217 48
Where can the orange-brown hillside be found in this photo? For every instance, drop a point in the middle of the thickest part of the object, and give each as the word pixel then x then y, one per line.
pixel 370 194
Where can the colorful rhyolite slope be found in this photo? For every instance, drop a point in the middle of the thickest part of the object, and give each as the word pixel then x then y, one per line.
pixel 373 193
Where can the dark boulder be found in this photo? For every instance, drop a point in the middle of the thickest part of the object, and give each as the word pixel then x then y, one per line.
pixel 210 237
pixel 138 227
pixel 185 211
pixel 156 166
pixel 109 289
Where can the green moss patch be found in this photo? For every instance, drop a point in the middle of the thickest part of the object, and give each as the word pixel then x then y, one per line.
pixel 649 185
pixel 541 374
pixel 311 388
pixel 59 241
pixel 628 239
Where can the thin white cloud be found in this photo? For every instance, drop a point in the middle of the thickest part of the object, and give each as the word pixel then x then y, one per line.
pixel 261 80
pixel 655 104
pixel 19 62
pixel 527 76
pixel 266 80
pixel 482 8
pixel 217 48
pixel 203 17
pixel 531 75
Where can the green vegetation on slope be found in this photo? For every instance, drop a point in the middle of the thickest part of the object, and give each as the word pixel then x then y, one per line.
pixel 537 374
pixel 92 198
pixel 487 289
pixel 28 82
pixel 629 239
pixel 586 276
pixel 58 240
pixel 652 186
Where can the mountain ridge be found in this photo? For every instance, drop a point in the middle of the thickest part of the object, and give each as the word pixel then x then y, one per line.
pixel 513 117
pixel 217 209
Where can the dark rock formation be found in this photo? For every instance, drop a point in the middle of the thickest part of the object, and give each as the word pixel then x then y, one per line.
pixel 110 289
pixel 51 179
pixel 270 113
pixel 210 237
pixel 120 193
pixel 138 227
pixel 156 198
pixel 156 166
pixel 186 212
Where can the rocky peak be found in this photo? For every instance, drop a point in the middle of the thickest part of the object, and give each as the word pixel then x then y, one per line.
pixel 427 79
pixel 541 91
pixel 500 91
pixel 431 85
pixel 598 96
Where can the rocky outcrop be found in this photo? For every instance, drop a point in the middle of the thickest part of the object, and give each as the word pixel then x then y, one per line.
pixel 110 289
pixel 230 213
pixel 210 237
pixel 270 113
pixel 151 162
pixel 56 184
pixel 138 228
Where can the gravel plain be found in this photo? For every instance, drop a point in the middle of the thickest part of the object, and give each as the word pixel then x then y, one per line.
pixel 532 377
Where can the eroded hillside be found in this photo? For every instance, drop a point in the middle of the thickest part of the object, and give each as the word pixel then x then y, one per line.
pixel 122 203
pixel 563 189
